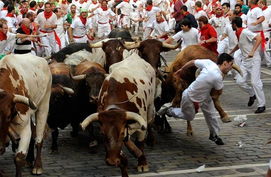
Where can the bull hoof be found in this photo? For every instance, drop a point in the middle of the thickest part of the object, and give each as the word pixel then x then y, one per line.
pixel 37 171
pixel 226 119
pixel 189 133
pixel 143 168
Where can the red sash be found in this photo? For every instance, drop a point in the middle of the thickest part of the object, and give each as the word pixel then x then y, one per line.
pixel 3 36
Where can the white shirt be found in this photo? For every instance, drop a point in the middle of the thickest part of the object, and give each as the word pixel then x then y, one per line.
pixel 5 43
pixel 125 8
pixel 231 36
pixel 190 6
pixel 41 20
pixel 84 5
pixel 160 28
pixel 219 23
pixel 12 23
pixel 244 20
pixel 209 77
pixel 151 16
pixel 252 17
pixel 190 37
pixel 246 42
pixel 199 14
pixel 79 29
pixel 104 16
pixel 267 15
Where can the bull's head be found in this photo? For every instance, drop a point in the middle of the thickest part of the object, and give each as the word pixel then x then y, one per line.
pixel 114 125
pixel 93 82
pixel 59 91
pixel 7 113
pixel 113 50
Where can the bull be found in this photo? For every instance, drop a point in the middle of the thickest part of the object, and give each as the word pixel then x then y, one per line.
pixel 126 106
pixel 61 110
pixel 89 77
pixel 25 87
pixel 172 89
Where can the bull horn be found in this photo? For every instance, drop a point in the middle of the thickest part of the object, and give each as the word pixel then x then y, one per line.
pixel 170 46
pixel 88 120
pixel 97 45
pixel 24 100
pixel 79 77
pixel 136 39
pixel 68 90
pixel 237 68
pixel 160 75
pixel 131 45
pixel 138 118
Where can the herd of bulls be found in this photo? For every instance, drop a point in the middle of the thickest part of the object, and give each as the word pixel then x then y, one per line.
pixel 121 92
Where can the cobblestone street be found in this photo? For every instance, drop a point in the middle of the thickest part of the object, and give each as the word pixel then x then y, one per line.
pixel 175 154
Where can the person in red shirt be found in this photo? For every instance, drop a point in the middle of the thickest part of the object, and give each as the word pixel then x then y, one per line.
pixel 208 35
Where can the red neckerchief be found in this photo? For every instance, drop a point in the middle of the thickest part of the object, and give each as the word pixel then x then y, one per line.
pixel 265 7
pixel 25 29
pixel 238 32
pixel 240 14
pixel 149 8
pixel 104 8
pixel 64 2
pixel 186 13
pixel 253 6
pixel 199 9
pixel 172 2
pixel 126 0
pixel 10 15
pixel 48 14
pixel 3 36
pixel 32 8
pixel 5 8
pixel 23 11
pixel 160 21
pixel 218 16
pixel 83 20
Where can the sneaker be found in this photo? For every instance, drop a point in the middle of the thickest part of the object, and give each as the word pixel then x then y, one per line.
pixel 175 112
pixel 216 139
pixel 251 100
pixel 260 110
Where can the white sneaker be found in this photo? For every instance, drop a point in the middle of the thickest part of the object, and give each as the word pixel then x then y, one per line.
pixel 175 112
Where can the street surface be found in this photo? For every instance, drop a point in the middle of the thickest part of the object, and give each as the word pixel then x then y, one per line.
pixel 245 152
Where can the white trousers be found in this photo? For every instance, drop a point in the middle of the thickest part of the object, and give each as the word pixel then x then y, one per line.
pixel 50 42
pixel 223 46
pixel 207 108
pixel 147 32
pixel 251 69
pixel 103 30
pixel 266 55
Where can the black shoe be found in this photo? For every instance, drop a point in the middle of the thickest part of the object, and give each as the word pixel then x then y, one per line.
pixel 216 139
pixel 251 101
pixel 260 110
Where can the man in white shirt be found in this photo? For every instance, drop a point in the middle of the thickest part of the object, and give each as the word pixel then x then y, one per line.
pixel 81 29
pixel 188 35
pixel 60 32
pixel 199 10
pixel 125 9
pixel 251 64
pixel 104 14
pixel 149 18
pixel 160 28
pixel 92 8
pixel 267 14
pixel 198 93
pixel 47 24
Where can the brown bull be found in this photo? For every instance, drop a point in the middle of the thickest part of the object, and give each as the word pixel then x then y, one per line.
pixel 172 89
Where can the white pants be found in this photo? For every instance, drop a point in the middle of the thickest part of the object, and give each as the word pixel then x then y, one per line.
pixel 135 26
pixel 207 108
pixel 251 69
pixel 147 32
pixel 103 30
pixel 62 38
pixel 50 42
pixel 266 55
pixel 125 21
pixel 223 46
